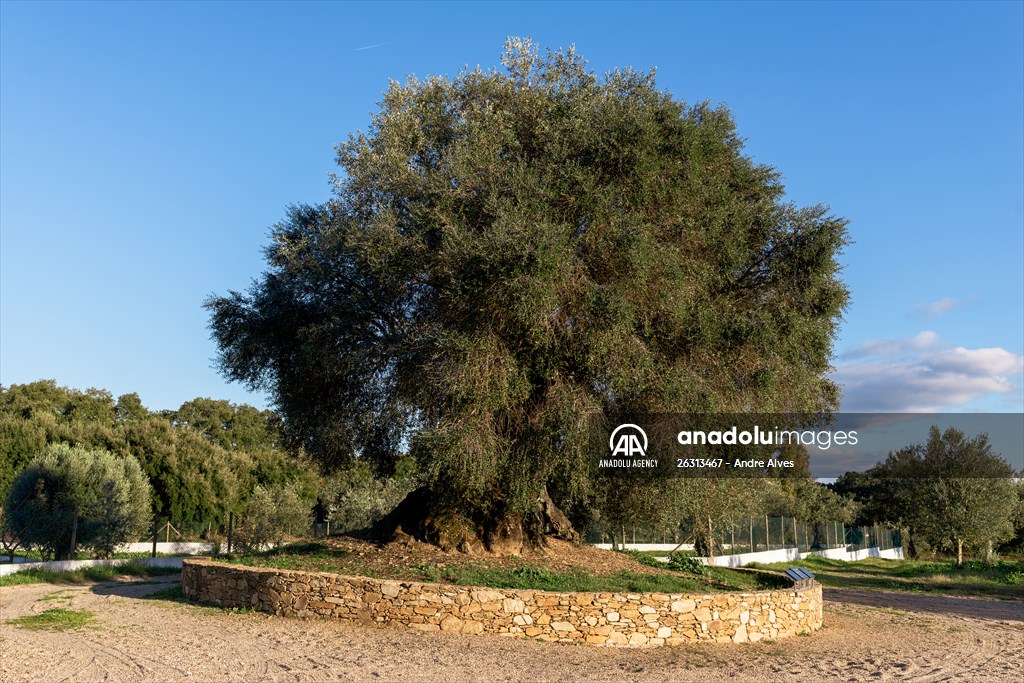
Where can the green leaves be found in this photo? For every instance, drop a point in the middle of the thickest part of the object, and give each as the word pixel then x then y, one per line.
pixel 503 244
pixel 950 491
pixel 71 497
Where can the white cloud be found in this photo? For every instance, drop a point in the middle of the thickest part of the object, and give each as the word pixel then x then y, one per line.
pixel 940 307
pixel 923 374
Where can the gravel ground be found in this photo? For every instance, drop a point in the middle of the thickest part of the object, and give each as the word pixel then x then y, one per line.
pixel 869 636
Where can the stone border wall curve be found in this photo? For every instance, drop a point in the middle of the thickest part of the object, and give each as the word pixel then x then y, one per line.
pixel 598 618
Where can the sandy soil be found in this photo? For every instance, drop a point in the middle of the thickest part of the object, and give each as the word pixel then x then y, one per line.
pixel 869 636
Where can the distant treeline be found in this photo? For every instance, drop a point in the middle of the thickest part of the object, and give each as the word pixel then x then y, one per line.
pixel 203 460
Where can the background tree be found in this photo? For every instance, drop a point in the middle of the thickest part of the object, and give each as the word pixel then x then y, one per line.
pixel 705 504
pixel 353 498
pixel 510 253
pixel 271 515
pixel 889 493
pixel 71 497
pixel 230 426
pixel 951 491
pixel 203 459
pixel 967 495
pixel 1016 544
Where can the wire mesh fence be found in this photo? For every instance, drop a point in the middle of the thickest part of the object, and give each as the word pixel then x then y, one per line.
pixel 756 534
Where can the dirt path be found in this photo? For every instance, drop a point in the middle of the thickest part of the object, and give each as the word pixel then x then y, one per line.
pixel 1000 610
pixel 153 640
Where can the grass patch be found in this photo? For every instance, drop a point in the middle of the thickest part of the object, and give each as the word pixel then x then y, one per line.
pixel 539 578
pixel 318 557
pixel 313 557
pixel 173 593
pixel 59 595
pixel 56 619
pixel 36 556
pixel 83 575
pixel 998 580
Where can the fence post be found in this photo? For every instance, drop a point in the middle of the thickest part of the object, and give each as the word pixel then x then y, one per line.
pixel 231 524
pixel 767 535
pixel 750 523
pixel 156 522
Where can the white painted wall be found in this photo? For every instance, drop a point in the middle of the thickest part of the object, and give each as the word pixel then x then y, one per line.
pixel 854 555
pixel 172 548
pixel 71 565
pixel 767 556
pixel 665 547
pixel 741 559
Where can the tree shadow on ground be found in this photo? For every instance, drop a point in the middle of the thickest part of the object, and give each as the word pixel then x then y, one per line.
pixel 137 589
pixel 977 608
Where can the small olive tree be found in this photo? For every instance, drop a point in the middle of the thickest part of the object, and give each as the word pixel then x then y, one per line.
pixel 273 514
pixel 70 497
pixel 354 498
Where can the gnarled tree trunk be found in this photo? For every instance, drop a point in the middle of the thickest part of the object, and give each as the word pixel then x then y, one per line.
pixel 510 534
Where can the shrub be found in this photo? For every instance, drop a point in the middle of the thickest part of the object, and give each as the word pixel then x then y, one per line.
pixel 271 515
pixel 71 497
pixel 353 498
pixel 687 563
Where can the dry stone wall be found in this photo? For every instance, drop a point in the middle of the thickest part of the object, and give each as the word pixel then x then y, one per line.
pixel 600 618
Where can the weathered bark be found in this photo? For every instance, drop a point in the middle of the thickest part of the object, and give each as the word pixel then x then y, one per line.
pixel 68 553
pixel 911 544
pixel 704 538
pixel 419 517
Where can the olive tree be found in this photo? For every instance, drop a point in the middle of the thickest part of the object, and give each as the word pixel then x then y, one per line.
pixel 511 252
pixel 966 492
pixel 70 497
pixel 271 515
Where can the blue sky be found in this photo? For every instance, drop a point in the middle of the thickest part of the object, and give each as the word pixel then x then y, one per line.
pixel 145 150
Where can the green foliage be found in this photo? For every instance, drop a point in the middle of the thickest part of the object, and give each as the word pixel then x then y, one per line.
pixel 684 562
pixel 20 440
pixel 70 496
pixel 815 502
pixel 951 492
pixel 230 426
pixel 511 252
pixel 354 498
pixel 271 515
pixel 202 460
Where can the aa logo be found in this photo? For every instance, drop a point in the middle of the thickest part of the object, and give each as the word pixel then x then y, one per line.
pixel 628 440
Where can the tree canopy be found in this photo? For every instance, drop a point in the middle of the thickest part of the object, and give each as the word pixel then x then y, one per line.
pixel 203 459
pixel 951 491
pixel 70 497
pixel 511 252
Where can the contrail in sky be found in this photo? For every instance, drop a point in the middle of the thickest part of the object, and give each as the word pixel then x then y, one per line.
pixel 370 47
